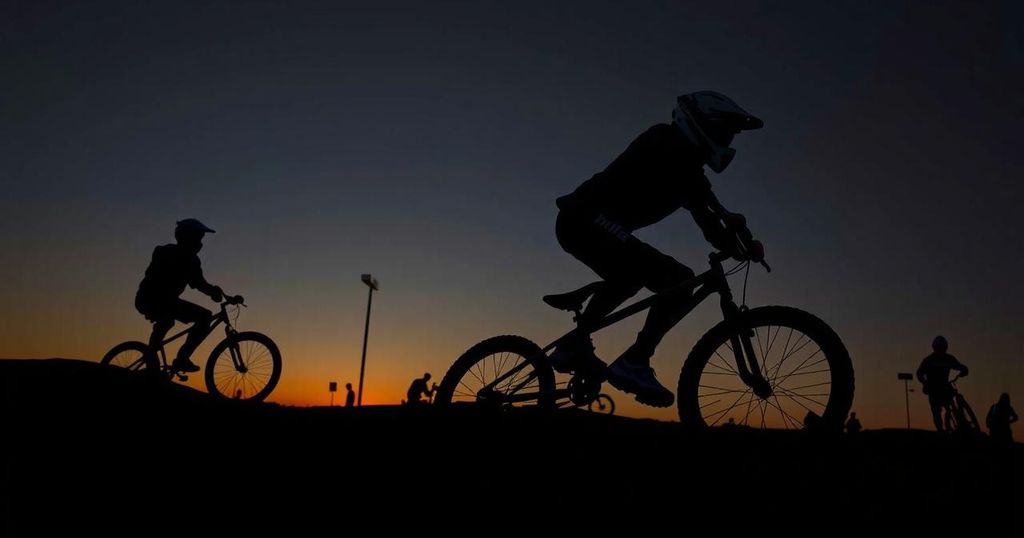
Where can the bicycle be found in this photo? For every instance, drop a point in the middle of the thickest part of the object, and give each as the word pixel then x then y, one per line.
pixel 958 417
pixel 603 405
pixel 243 366
pixel 810 376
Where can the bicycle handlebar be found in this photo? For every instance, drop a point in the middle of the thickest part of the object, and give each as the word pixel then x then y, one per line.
pixel 228 300
pixel 719 257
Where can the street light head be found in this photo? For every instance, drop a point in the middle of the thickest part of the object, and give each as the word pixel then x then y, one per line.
pixel 905 377
pixel 370 281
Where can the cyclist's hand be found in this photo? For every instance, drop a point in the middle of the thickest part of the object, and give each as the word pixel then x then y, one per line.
pixel 234 299
pixel 755 251
pixel 217 295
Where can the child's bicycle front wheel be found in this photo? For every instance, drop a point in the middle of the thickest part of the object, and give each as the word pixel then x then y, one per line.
pixel 802 358
pixel 244 366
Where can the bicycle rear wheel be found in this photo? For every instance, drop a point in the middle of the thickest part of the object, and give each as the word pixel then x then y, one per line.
pixel 803 359
pixel 506 370
pixel 246 366
pixel 130 355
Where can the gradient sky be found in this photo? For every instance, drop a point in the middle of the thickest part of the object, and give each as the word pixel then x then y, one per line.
pixel 425 142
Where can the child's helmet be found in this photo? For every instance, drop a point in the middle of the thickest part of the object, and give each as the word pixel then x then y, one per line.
pixel 940 344
pixel 192 226
pixel 709 120
pixel 191 229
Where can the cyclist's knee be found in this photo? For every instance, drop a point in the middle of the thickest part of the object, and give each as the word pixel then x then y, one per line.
pixel 161 326
pixel 669 276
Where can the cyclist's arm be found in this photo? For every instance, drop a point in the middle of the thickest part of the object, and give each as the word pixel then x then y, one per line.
pixel 959 367
pixel 921 376
pixel 714 230
pixel 726 230
pixel 199 282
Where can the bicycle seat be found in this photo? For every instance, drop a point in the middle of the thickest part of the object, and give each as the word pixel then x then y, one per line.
pixel 573 300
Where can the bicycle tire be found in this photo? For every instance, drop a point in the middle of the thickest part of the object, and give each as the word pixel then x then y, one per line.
pixel 130 355
pixel 603 405
pixel 262 361
pixel 505 350
pixel 695 403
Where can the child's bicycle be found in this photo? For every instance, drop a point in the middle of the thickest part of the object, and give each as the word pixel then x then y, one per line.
pixel 771 366
pixel 243 366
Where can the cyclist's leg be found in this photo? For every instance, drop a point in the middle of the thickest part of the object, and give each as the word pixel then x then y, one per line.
pixel 627 264
pixel 200 318
pixel 661 273
pixel 606 253
pixel 160 328
pixel 162 320
pixel 937 402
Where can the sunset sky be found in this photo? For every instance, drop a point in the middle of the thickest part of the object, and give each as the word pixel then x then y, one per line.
pixel 426 142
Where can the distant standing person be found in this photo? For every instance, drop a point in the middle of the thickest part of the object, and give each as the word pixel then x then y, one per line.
pixel 934 376
pixel 350 398
pixel 419 388
pixel 853 425
pixel 999 418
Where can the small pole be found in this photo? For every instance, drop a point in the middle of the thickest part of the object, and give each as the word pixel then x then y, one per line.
pixel 372 283
pixel 905 377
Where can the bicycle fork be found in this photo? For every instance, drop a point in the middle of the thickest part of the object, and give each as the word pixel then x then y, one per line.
pixel 236 352
pixel 747 364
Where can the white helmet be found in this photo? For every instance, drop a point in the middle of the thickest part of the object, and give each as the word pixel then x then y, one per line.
pixel 710 120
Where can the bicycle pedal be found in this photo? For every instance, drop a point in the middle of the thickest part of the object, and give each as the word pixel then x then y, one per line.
pixel 181 377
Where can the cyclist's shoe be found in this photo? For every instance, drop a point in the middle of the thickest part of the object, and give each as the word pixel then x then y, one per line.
pixel 575 357
pixel 639 379
pixel 184 365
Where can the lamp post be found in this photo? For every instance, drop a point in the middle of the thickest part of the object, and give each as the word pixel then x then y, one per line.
pixel 372 284
pixel 906 378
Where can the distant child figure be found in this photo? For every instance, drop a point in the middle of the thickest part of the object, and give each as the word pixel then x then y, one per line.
pixel 853 425
pixel 419 388
pixel 934 376
pixel 350 398
pixel 173 267
pixel 999 418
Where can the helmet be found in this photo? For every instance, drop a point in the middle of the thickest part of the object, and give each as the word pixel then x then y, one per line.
pixel 940 343
pixel 710 120
pixel 192 226
pixel 190 230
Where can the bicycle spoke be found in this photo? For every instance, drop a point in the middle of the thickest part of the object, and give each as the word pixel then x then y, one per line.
pixel 793 396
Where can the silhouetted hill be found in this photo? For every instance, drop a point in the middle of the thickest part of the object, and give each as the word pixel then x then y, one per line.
pixel 86 446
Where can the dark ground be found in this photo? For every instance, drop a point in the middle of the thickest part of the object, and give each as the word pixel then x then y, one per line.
pixel 89 447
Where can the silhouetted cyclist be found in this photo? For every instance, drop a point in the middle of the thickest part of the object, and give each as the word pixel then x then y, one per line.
pixel 660 172
pixel 934 377
pixel 172 268
pixel 419 388
pixel 999 418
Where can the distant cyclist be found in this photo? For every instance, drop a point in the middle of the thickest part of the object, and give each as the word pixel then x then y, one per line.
pixel 173 267
pixel 934 376
pixel 660 172
pixel 418 388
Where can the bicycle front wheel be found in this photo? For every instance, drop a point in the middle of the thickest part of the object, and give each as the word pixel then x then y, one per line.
pixel 246 366
pixel 803 359
pixel 130 355
pixel 506 370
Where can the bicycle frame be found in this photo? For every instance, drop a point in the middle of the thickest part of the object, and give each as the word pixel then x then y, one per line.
pixel 229 331
pixel 707 283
